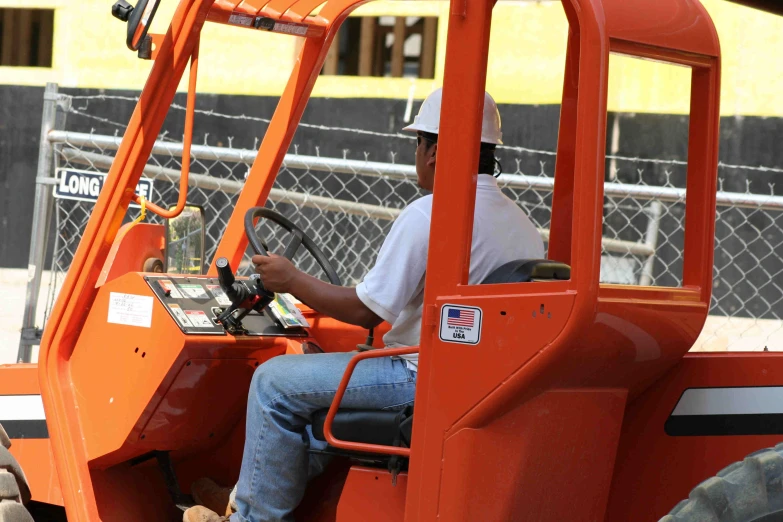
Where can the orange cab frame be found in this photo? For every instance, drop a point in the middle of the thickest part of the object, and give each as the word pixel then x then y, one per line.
pixel 559 412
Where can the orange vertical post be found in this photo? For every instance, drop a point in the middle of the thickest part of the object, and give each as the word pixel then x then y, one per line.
pixel 561 222
pixel 452 209
pixel 79 290
pixel 702 180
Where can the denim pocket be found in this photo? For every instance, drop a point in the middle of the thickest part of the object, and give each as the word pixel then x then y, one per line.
pixel 410 374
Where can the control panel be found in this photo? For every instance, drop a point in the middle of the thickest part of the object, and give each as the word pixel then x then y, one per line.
pixel 195 303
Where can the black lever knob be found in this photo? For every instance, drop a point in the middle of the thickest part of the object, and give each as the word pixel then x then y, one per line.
pixel 225 275
pixel 237 292
pixel 121 10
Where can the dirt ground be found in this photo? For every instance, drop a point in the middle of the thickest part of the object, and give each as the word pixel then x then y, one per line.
pixel 13 286
pixel 738 334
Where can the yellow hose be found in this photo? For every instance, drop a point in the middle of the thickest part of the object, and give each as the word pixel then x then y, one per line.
pixel 143 213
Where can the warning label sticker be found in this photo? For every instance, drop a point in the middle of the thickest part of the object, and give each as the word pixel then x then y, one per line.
pixel 194 291
pixel 180 315
pixel 460 324
pixel 220 296
pixel 199 319
pixel 169 288
pixel 130 309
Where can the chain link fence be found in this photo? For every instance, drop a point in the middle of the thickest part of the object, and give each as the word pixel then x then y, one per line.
pixel 347 205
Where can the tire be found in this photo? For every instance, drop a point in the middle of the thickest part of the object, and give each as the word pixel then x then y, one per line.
pixel 747 491
pixel 14 491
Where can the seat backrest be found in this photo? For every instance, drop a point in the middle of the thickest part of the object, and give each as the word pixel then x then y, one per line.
pixel 524 270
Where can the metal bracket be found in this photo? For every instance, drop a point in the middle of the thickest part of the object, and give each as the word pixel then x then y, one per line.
pixel 150 46
pixel 31 335
pixel 181 500
pixel 431 315
pixel 64 102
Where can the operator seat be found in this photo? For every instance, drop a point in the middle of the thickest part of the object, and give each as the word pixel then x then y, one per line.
pixel 394 428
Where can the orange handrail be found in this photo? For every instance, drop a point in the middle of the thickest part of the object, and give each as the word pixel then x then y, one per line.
pixel 338 397
pixel 187 141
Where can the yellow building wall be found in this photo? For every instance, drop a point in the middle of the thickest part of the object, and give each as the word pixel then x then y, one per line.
pixel 526 63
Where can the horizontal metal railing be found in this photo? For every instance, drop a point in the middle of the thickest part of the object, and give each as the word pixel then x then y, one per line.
pixel 398 171
pixel 203 181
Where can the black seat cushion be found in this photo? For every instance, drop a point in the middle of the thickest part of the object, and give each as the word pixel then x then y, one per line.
pixel 525 270
pixel 387 428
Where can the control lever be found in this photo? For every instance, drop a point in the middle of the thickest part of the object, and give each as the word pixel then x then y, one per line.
pixel 253 297
pixel 236 292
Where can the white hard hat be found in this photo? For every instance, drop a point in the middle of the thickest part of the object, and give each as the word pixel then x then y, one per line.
pixel 428 119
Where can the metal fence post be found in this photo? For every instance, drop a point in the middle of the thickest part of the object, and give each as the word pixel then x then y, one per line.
pixel 31 335
pixel 651 240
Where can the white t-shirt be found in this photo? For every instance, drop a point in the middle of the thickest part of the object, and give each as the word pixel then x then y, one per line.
pixel 394 288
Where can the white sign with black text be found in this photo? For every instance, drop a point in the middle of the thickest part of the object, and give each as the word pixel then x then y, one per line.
pixel 460 324
pixel 82 185
pixel 130 309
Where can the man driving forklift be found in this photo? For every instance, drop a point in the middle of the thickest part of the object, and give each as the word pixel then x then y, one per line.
pixel 287 390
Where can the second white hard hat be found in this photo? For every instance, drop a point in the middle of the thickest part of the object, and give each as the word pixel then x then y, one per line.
pixel 428 118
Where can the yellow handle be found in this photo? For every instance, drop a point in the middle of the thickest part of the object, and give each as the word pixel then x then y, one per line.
pixel 143 214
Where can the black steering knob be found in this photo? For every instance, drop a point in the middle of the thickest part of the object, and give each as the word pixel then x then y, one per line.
pixel 121 10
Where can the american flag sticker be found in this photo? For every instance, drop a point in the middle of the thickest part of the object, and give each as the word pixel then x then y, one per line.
pixel 460 324
pixel 457 317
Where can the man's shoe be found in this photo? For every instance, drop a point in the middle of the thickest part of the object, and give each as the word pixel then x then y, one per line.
pixel 206 492
pixel 202 514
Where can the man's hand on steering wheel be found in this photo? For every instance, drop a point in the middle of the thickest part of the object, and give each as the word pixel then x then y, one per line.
pixel 298 239
pixel 277 272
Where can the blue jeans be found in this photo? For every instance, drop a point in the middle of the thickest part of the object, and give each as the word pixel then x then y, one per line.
pixel 284 394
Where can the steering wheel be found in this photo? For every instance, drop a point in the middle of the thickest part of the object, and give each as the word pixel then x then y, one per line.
pixel 299 238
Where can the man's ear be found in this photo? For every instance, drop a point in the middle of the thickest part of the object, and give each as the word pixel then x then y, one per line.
pixel 431 155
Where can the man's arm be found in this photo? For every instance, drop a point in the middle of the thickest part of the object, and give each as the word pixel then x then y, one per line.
pixel 279 275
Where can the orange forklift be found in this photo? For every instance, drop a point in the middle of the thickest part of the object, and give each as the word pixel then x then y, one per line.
pixel 586 406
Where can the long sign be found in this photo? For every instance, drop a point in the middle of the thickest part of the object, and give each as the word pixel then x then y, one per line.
pixel 82 185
